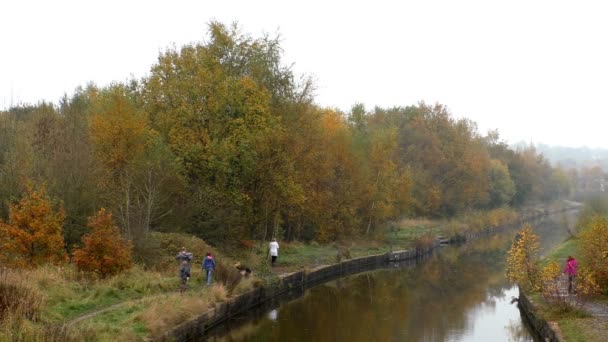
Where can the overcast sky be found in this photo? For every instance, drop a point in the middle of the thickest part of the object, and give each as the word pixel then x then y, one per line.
pixel 535 70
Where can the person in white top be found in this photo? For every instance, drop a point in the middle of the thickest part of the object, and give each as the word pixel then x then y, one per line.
pixel 274 250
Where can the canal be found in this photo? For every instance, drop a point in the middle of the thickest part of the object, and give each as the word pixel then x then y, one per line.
pixel 459 293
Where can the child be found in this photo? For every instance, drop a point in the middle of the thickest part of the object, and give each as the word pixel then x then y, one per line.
pixel 208 267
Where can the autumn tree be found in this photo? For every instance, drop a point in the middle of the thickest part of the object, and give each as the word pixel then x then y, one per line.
pixel 447 157
pixel 104 251
pixel 217 105
pixel 523 260
pixel 138 174
pixel 594 248
pixel 32 236
pixel 387 184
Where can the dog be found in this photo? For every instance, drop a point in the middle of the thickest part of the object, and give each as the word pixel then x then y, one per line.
pixel 244 270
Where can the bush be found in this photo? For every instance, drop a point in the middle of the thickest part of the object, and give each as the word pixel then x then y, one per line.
pixel 593 246
pixel 554 285
pixel 33 235
pixel 105 252
pixel 523 260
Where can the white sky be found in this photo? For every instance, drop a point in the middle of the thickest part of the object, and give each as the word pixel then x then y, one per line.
pixel 535 70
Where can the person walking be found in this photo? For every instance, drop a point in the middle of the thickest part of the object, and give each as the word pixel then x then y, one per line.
pixel 570 270
pixel 208 267
pixel 184 274
pixel 274 250
pixel 184 257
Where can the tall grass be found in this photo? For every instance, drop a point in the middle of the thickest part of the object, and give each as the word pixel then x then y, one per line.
pixel 174 309
pixel 18 296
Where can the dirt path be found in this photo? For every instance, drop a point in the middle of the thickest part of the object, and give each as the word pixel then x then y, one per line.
pixel 598 310
pixel 121 304
pixel 594 308
pixel 98 312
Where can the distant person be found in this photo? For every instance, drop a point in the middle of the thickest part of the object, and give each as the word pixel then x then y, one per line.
pixel 184 274
pixel 208 267
pixel 570 270
pixel 274 250
pixel 184 255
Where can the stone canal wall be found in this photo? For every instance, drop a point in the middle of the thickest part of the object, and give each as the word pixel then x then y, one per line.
pixel 293 285
pixel 289 286
pixel 543 329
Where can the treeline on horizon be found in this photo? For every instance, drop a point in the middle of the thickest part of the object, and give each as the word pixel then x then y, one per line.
pixel 223 141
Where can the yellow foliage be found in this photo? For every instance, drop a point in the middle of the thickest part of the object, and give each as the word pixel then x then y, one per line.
pixel 119 131
pixel 594 248
pixel 522 260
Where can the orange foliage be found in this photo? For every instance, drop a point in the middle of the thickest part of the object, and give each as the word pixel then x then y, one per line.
pixel 33 235
pixel 105 252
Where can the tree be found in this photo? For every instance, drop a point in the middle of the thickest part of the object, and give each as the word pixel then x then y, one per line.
pixel 502 187
pixel 33 234
pixel 447 157
pixel 594 248
pixel 218 106
pixel 138 174
pixel 105 251
pixel 523 260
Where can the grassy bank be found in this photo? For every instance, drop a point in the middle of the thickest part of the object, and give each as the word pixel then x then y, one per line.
pixel 57 303
pixel 144 301
pixel 575 324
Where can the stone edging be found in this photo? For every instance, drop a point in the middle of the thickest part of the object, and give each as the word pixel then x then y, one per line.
pixel 289 286
pixel 294 284
pixel 547 331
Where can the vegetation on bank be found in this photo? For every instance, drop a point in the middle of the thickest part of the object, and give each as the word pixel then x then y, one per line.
pixel 144 300
pixel 581 317
pixel 224 142
pixel 219 149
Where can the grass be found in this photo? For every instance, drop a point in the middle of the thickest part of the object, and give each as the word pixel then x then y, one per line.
pixel 128 306
pixel 574 325
pixel 144 300
pixel 69 298
pixel 560 253
pixel 581 329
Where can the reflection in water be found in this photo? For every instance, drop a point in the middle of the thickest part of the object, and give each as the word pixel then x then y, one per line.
pixel 458 294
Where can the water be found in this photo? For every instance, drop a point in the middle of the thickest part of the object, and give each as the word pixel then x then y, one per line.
pixel 457 294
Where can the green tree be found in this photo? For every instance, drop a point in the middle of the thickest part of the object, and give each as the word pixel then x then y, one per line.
pixel 502 187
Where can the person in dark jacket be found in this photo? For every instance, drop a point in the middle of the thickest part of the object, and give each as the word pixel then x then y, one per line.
pixel 184 257
pixel 184 274
pixel 208 267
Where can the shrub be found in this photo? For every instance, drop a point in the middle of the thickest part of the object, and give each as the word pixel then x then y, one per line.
pixel 552 289
pixel 33 235
pixel 593 247
pixel 161 248
pixel 523 260
pixel 105 251
pixel 554 285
